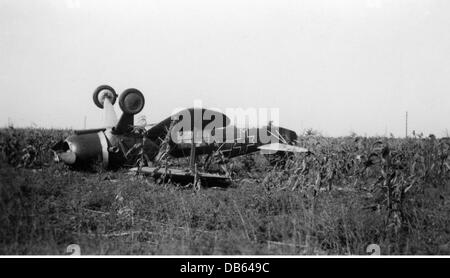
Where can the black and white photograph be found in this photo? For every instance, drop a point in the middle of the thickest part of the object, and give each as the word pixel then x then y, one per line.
pixel 225 128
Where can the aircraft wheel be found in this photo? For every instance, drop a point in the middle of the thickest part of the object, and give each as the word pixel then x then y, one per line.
pixel 131 101
pixel 102 92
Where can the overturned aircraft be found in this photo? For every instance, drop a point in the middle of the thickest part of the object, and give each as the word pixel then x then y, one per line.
pixel 191 132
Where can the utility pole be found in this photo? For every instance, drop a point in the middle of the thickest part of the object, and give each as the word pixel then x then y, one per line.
pixel 85 118
pixel 406 128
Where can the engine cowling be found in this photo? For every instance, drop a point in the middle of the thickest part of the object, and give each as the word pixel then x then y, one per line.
pixel 131 101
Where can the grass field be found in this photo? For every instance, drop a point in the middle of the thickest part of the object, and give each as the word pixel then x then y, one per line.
pixel 350 193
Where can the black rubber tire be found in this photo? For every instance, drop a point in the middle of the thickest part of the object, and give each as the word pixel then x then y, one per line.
pixel 137 104
pixel 98 90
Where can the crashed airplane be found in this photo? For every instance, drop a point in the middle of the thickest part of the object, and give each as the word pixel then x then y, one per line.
pixel 191 132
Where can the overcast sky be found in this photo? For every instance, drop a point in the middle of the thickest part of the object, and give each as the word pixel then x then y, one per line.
pixel 335 66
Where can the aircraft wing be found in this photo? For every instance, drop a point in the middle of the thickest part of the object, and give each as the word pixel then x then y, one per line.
pixel 279 147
